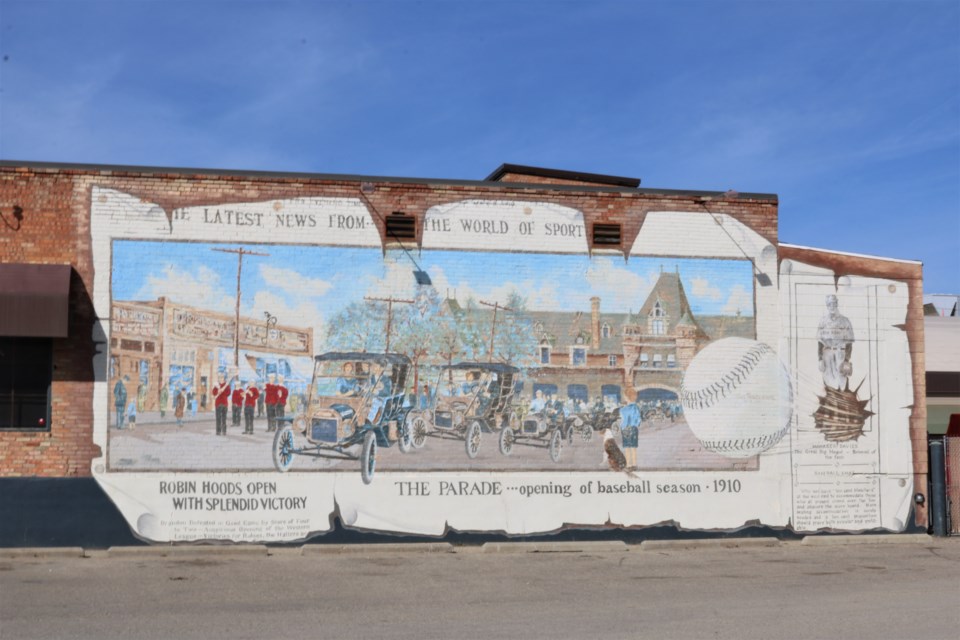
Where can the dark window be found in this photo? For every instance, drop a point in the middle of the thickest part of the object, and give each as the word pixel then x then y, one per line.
pixel 578 392
pixel 149 347
pixel 131 345
pixel 26 371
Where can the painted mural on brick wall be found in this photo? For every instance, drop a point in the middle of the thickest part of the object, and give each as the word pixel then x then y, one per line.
pixel 505 361
pixel 269 367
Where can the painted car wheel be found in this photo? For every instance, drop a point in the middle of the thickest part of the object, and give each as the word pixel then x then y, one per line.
pixel 615 427
pixel 586 433
pixel 418 429
pixel 556 443
pixel 473 439
pixel 368 457
pixel 404 441
pixel 506 441
pixel 284 446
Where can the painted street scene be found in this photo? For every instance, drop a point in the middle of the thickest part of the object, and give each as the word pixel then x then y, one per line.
pixel 344 353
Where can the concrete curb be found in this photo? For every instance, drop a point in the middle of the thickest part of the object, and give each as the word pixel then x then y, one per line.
pixel 709 543
pixel 40 552
pixel 387 547
pixel 285 551
pixel 599 546
pixel 893 538
pixel 193 550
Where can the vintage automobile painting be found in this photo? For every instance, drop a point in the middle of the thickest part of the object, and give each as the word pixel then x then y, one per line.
pixel 469 398
pixel 537 429
pixel 356 401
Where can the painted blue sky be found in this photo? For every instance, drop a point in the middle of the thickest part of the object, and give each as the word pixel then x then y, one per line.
pixel 848 110
pixel 305 285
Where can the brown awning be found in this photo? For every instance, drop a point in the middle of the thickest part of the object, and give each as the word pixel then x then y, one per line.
pixel 34 300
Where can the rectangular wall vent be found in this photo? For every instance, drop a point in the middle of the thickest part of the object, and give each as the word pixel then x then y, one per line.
pixel 606 235
pixel 400 226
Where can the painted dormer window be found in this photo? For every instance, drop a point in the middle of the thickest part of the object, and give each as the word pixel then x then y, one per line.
pixel 578 356
pixel 605 330
pixel 544 355
pixel 657 315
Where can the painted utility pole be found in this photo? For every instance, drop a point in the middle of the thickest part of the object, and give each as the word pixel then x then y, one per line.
pixel 389 302
pixel 493 326
pixel 236 332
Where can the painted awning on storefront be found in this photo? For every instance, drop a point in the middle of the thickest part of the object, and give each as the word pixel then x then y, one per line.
pixel 34 300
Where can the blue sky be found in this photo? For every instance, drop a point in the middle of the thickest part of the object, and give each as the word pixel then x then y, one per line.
pixel 849 111
pixel 307 285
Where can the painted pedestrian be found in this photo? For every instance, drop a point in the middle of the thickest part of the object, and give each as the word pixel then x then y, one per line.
pixel 249 406
pixel 272 393
pixel 282 394
pixel 180 405
pixel 120 399
pixel 221 399
pixel 236 400
pixel 630 420
pixel 164 400
pixel 132 415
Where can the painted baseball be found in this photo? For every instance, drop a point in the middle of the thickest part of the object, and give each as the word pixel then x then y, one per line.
pixel 737 397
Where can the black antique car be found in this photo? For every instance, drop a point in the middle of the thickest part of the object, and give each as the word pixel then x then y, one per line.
pixel 543 425
pixel 356 403
pixel 469 398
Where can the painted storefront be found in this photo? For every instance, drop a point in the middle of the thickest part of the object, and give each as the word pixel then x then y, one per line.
pixel 533 384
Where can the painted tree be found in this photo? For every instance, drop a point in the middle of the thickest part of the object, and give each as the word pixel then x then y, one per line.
pixel 474 330
pixel 360 326
pixel 416 328
pixel 515 341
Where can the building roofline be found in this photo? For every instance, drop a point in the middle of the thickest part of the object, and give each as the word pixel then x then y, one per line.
pixel 138 169
pixel 847 253
pixel 560 174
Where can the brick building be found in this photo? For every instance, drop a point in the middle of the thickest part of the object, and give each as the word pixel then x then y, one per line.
pixel 66 329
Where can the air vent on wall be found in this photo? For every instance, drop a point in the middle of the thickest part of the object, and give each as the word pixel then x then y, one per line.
pixel 606 235
pixel 400 226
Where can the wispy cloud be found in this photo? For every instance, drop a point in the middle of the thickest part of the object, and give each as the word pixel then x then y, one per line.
pixel 199 288
pixel 293 282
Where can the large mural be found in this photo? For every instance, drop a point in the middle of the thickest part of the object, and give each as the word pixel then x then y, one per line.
pixel 269 367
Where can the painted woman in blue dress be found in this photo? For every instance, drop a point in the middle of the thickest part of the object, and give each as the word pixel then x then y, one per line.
pixel 630 432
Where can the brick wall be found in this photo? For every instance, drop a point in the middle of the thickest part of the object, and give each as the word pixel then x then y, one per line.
pixel 56 229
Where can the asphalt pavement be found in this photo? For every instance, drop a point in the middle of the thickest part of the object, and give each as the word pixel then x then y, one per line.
pixel 870 587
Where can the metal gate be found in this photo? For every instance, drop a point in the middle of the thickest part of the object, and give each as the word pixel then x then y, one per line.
pixel 951 456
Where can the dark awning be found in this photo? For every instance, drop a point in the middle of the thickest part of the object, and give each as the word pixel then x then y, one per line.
pixel 34 300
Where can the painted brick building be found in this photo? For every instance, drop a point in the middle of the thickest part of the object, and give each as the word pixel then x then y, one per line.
pixel 584 279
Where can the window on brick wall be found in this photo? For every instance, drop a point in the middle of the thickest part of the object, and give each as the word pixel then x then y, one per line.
pixel 26 371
